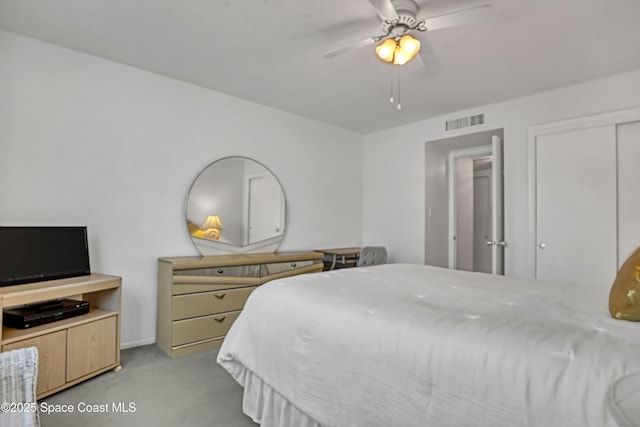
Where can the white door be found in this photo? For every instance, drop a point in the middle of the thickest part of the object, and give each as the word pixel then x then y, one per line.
pixel 497 228
pixel 464 213
pixel 576 206
pixel 265 208
pixel 482 220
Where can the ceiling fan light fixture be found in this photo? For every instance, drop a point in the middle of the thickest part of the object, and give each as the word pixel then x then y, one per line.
pixel 386 50
pixel 409 45
pixel 398 51
pixel 400 58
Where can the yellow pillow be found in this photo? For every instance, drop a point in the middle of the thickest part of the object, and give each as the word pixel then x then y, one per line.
pixel 624 298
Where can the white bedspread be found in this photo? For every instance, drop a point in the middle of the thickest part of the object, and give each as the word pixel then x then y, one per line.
pixel 413 345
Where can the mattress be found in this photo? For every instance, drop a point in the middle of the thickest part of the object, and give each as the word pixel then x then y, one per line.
pixel 414 345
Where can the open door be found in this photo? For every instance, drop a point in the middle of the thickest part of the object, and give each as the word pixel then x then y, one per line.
pixel 497 227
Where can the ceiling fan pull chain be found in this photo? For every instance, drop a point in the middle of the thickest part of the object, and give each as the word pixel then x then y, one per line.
pixel 399 106
pixel 395 85
pixel 391 87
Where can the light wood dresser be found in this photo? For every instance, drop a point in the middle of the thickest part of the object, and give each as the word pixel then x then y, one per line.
pixel 74 349
pixel 200 297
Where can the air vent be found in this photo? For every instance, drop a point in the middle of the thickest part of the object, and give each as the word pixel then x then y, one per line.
pixel 465 122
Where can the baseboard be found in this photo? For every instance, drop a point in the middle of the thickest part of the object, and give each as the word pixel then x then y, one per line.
pixel 139 343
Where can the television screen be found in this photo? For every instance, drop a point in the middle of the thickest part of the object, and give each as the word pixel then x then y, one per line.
pixel 33 254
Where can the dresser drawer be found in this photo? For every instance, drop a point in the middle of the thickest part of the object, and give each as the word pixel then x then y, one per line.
pixel 182 288
pixel 234 271
pixel 202 328
pixel 205 303
pixel 279 267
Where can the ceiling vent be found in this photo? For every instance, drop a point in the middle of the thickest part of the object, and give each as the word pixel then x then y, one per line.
pixel 465 122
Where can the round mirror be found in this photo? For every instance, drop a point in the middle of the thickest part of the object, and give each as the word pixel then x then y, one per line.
pixel 235 205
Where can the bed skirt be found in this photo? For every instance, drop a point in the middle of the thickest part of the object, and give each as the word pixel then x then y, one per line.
pixel 264 405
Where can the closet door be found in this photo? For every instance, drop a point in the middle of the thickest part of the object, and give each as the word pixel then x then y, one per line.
pixel 576 224
pixel 628 189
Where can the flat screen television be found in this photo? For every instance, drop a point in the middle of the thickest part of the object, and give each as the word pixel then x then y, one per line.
pixel 34 254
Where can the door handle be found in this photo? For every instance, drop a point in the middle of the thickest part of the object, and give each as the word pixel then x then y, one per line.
pixel 500 243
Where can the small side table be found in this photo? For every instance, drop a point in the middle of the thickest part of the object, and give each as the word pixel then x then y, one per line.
pixel 340 257
pixel 623 401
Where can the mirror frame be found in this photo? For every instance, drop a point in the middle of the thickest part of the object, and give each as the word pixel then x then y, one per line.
pixel 213 246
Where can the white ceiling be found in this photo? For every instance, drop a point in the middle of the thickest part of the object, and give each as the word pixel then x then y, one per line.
pixel 271 51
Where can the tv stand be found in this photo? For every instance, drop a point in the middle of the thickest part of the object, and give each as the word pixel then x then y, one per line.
pixel 75 349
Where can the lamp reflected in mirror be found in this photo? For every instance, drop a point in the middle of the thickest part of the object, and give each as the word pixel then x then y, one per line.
pixel 211 227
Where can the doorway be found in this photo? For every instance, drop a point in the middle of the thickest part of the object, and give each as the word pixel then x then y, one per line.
pixel 470 208
pixel 464 209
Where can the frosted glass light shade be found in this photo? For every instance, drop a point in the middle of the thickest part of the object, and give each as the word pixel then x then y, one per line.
pixel 398 51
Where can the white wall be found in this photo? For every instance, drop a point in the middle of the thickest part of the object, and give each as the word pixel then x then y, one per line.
pixel 91 142
pixel 395 172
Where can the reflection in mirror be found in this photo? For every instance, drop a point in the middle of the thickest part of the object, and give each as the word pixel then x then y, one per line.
pixel 235 205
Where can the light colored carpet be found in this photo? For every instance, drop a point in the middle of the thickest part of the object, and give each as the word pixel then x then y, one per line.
pixel 189 391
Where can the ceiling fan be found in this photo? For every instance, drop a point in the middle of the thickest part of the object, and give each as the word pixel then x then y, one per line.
pixel 402 17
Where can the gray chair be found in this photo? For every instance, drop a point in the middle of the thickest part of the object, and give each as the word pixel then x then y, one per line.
pixel 372 255
pixel 19 374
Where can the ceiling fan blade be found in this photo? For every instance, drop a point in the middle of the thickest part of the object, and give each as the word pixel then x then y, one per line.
pixel 347 47
pixel 385 9
pixel 459 17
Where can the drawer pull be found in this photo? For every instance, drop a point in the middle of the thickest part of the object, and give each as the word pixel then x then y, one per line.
pixel 220 296
pixel 220 319
pixel 220 271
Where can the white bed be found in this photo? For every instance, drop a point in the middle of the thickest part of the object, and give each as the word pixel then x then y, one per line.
pixel 413 345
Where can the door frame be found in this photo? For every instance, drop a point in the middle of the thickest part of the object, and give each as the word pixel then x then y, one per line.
pixel 603 119
pixel 478 151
